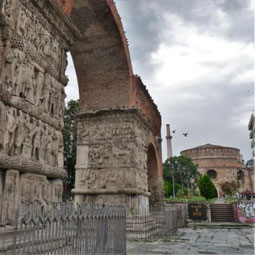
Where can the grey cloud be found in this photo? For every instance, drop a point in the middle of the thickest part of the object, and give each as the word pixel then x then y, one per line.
pixel 213 119
pixel 209 111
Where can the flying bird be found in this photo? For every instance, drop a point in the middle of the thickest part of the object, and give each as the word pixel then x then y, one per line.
pixel 185 134
pixel 173 131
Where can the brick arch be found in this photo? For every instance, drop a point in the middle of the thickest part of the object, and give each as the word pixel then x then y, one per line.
pixel 154 178
pixel 152 162
pixel 101 58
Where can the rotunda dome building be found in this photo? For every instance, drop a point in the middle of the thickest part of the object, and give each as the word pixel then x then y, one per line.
pixel 221 163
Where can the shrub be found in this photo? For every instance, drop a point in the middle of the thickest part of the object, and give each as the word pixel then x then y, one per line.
pixel 168 188
pixel 230 188
pixel 181 193
pixel 167 185
pixel 206 187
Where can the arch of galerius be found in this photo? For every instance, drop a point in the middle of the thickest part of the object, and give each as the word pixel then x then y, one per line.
pixel 118 125
pixel 118 119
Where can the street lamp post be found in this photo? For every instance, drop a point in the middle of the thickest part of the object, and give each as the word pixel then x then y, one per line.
pixel 173 186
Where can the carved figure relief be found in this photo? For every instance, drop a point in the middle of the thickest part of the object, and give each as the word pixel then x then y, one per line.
pixel 2 124
pixel 104 131
pixel 10 128
pixel 32 187
pixel 24 135
pixel 11 195
pixel 88 179
pixel 99 154
pixel 7 8
pixel 57 191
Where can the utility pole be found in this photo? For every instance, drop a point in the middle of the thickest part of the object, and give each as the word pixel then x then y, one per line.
pixel 169 141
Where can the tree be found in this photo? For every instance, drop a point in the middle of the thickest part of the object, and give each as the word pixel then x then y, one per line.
pixel 230 188
pixel 180 170
pixel 206 187
pixel 70 139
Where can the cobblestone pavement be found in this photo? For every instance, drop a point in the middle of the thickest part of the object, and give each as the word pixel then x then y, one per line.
pixel 199 241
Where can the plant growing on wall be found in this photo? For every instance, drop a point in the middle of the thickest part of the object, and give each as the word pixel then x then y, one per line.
pixel 206 187
pixel 70 138
pixel 230 188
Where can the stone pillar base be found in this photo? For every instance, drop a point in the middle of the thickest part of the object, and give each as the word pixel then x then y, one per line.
pixel 137 203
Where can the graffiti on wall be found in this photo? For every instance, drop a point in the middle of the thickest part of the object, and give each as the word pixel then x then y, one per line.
pixel 245 212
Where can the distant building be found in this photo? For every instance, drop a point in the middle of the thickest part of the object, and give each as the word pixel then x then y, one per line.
pixel 222 164
pixel 250 163
pixel 251 127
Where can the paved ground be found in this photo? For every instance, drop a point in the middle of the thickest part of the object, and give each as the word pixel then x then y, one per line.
pixel 200 241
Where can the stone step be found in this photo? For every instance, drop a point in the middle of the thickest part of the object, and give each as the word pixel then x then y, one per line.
pixel 222 213
pixel 220 225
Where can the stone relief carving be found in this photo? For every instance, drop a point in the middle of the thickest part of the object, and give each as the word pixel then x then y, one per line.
pixel 99 155
pixel 117 154
pixel 7 8
pixel 29 137
pixel 57 190
pixel 88 179
pixel 106 178
pixel 31 29
pixel 104 131
pixel 11 196
pixel 36 187
pixel 34 39
pixel 2 124
pixel 36 87
pixel 33 187
pixel 127 144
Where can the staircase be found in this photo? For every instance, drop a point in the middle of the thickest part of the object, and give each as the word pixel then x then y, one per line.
pixel 222 213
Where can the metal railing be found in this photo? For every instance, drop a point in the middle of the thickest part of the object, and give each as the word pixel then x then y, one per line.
pixel 152 225
pixel 68 229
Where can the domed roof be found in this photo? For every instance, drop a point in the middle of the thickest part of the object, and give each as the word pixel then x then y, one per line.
pixel 209 145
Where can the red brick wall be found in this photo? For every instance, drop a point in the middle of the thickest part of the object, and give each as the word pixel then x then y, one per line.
pixel 142 99
pixel 101 58
pixel 117 19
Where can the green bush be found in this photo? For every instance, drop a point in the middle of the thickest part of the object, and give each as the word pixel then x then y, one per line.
pixel 168 188
pixel 206 187
pixel 182 193
pixel 230 188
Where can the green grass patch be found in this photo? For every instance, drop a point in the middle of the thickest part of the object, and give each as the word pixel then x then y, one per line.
pixel 230 200
pixel 185 199
pixel 212 201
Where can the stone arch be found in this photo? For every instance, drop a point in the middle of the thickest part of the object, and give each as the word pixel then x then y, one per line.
pixel 153 177
pixel 212 174
pixel 109 90
pixel 152 165
pixel 101 57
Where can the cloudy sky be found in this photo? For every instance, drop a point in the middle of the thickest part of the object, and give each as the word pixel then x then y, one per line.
pixel 196 59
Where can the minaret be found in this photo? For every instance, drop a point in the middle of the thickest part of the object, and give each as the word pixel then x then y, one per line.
pixel 168 141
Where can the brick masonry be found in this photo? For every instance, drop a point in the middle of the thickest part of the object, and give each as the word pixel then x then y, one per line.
pixel 226 161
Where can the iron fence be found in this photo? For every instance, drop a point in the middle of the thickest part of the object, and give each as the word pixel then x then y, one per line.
pixel 154 225
pixel 68 229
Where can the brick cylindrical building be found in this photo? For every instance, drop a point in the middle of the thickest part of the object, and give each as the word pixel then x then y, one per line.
pixel 222 164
